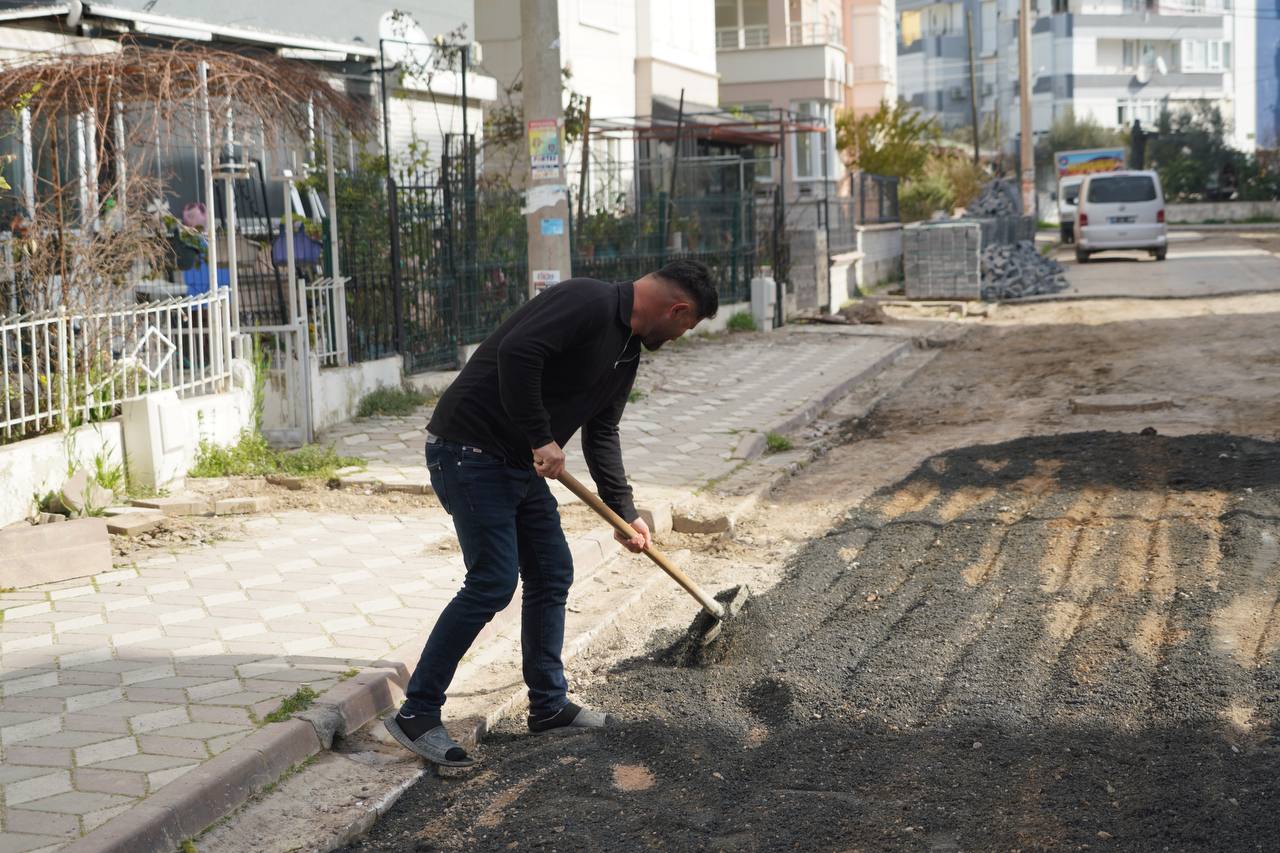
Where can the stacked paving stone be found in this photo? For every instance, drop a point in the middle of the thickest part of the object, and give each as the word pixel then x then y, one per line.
pixel 1014 271
pixel 998 198
pixel 941 259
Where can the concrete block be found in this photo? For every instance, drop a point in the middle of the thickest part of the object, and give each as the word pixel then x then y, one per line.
pixel 1100 404
pixel 176 505
pixel 46 553
pixel 694 520
pixel 157 435
pixel 241 506
pixel 657 514
pixel 286 481
pixel 407 488
pixel 82 493
pixel 135 523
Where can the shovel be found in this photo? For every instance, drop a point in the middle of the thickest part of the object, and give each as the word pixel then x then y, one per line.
pixel 718 612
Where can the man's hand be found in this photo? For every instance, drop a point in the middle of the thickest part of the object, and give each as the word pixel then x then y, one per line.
pixel 548 461
pixel 639 541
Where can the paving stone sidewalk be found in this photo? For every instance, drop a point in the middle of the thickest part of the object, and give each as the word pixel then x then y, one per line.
pixel 114 687
pixel 702 407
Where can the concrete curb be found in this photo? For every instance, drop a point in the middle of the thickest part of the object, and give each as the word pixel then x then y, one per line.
pixel 752 445
pixel 191 803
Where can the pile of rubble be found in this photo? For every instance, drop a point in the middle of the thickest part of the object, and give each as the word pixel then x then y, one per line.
pixel 998 198
pixel 1016 270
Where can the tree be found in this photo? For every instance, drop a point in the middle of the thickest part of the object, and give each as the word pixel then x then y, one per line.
pixel 894 140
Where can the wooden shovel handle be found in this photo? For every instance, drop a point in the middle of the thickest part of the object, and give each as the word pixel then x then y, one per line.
pixel 592 500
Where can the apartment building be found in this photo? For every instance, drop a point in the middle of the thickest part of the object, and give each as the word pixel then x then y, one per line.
pixel 811 57
pixel 1113 60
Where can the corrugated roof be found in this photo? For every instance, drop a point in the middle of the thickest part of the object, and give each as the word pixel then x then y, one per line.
pixel 338 22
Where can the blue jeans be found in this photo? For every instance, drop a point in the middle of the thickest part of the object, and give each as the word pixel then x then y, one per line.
pixel 508 526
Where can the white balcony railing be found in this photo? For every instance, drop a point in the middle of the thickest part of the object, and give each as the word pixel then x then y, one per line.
pixel 813 33
pixel 742 38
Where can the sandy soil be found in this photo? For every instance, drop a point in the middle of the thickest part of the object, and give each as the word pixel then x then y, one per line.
pixel 1006 626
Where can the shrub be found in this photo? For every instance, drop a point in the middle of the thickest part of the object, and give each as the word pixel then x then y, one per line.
pixel 251 456
pixel 741 322
pixel 777 443
pixel 392 401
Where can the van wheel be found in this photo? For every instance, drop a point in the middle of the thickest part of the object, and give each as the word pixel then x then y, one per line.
pixel 1067 233
pixel 1082 257
pixel 1160 254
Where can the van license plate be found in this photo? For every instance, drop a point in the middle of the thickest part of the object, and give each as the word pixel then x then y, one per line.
pixel 1121 220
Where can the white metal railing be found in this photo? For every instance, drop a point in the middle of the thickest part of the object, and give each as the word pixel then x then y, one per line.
pixel 812 33
pixel 740 38
pixel 327 316
pixel 60 370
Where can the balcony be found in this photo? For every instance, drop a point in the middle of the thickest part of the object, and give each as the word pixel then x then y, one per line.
pixel 798 35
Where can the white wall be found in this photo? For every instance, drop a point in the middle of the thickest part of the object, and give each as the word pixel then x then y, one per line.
pixel 32 468
pixel 336 391
pixel 1244 73
pixel 675 49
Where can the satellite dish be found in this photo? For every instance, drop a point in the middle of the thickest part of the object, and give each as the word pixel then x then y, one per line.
pixel 1162 67
pixel 1144 74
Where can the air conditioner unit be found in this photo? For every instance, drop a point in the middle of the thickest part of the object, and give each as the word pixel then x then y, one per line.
pixel 957 94
pixel 988 89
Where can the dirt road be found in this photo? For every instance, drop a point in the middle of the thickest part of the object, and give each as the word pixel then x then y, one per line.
pixel 1001 626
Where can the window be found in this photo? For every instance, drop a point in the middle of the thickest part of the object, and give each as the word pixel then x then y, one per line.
pixel 909 28
pixel 1122 189
pixel 1212 55
pixel 988 27
pixel 808 146
pixel 1061 7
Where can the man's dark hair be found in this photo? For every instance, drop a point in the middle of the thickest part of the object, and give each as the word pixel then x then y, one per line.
pixel 694 278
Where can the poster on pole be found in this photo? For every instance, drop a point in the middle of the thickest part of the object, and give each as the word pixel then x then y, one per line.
pixel 544 149
pixel 542 279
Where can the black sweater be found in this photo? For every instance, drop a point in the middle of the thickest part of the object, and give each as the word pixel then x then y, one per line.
pixel 564 361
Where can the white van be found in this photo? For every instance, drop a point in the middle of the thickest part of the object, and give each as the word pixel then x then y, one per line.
pixel 1121 210
pixel 1067 195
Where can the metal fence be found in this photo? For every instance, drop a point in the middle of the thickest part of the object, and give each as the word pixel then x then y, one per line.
pixel 719 230
pixel 327 317
pixel 61 370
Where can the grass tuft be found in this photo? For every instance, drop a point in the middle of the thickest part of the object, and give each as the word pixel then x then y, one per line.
pixel 392 401
pixel 251 456
pixel 299 700
pixel 777 443
pixel 741 322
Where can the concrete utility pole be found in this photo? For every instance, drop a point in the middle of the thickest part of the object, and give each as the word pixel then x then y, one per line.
pixel 547 196
pixel 1027 153
pixel 973 86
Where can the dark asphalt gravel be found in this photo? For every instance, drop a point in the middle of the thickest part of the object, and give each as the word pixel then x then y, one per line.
pixel 1054 643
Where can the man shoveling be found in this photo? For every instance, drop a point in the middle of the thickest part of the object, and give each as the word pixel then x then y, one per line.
pixel 564 361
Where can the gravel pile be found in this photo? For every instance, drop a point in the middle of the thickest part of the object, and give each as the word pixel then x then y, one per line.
pixel 998 198
pixel 1012 271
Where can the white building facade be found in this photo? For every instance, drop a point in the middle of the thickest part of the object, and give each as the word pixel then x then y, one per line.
pixel 1112 60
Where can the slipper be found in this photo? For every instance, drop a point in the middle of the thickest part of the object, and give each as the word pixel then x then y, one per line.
pixel 570 718
pixel 433 745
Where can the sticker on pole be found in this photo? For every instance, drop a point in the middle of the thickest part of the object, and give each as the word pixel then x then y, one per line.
pixel 552 227
pixel 542 279
pixel 544 149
